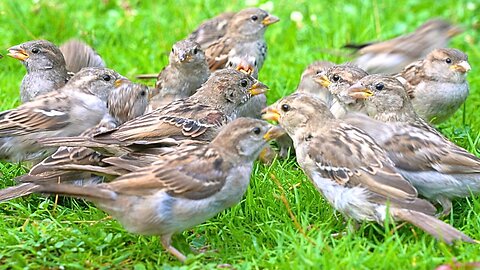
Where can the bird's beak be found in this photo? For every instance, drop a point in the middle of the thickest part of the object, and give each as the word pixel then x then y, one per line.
pixel 257 89
pixel 462 67
pixel 273 133
pixel 322 80
pixel 270 19
pixel 183 57
pixel 453 31
pixel 18 53
pixel 358 91
pixel 270 113
pixel 117 83
pixel 248 69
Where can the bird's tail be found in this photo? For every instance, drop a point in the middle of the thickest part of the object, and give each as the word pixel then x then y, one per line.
pixel 93 193
pixel 146 76
pixel 433 226
pixel 69 141
pixel 18 191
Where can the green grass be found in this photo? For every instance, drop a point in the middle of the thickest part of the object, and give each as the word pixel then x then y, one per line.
pixel 135 37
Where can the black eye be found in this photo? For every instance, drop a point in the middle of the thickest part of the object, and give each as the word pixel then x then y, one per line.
pixel 254 18
pixel 379 86
pixel 319 71
pixel 256 130
pixel 35 50
pixel 255 63
pixel 173 50
pixel 106 77
pixel 244 83
pixel 448 61
pixel 143 93
pixel 195 51
pixel 285 107
pixel 335 77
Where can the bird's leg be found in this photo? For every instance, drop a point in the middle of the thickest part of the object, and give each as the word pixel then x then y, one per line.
pixel 352 227
pixel 446 204
pixel 166 243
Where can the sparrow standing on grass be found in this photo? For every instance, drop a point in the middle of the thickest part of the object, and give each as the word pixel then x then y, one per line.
pixel 199 117
pixel 68 111
pixel 351 171
pixel 182 189
pixel 439 169
pixel 46 68
pixel 186 72
pixel 393 55
pixel 244 37
pixel 437 85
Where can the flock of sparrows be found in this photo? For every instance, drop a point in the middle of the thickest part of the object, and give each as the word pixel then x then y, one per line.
pixel 164 159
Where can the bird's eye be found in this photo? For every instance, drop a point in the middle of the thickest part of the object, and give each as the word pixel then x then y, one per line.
pixel 106 77
pixel 448 61
pixel 244 83
pixel 173 50
pixel 379 86
pixel 335 77
pixel 143 93
pixel 255 63
pixel 254 18
pixel 195 51
pixel 319 71
pixel 256 130
pixel 35 50
pixel 285 107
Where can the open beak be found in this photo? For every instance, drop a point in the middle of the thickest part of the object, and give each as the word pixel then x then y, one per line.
pixel 270 113
pixel 270 19
pixel 273 133
pixel 18 53
pixel 463 67
pixel 323 81
pixel 358 91
pixel 257 89
pixel 248 69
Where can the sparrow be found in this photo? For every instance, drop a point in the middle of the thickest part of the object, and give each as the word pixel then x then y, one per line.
pixel 198 117
pixel 391 56
pixel 68 111
pixel 244 37
pixel 309 85
pixel 211 30
pixel 186 72
pixel 337 80
pixel 183 189
pixel 46 68
pixel 351 170
pixel 78 55
pixel 437 85
pixel 439 169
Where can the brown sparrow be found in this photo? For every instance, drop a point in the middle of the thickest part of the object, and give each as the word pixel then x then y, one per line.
pixel 182 189
pixel 46 68
pixel 68 111
pixel 437 85
pixel 352 172
pixel 244 37
pixel 186 72
pixel 439 169
pixel 393 55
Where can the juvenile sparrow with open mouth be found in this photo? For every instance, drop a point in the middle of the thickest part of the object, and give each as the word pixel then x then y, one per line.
pixel 439 169
pixel 391 56
pixel 244 37
pixel 337 80
pixel 437 85
pixel 211 30
pixel 351 171
pixel 187 70
pixel 182 189
pixel 46 68
pixel 68 111
pixel 198 117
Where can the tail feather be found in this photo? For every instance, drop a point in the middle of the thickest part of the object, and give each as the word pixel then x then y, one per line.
pixel 78 55
pixel 18 191
pixel 357 46
pixel 433 226
pixel 90 192
pixel 147 76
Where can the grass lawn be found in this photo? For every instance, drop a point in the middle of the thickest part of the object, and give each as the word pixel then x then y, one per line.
pixel 135 37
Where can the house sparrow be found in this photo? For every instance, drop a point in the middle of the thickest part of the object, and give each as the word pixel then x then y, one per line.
pixel 337 80
pixel 183 189
pixel 439 169
pixel 244 37
pixel 393 55
pixel 68 111
pixel 351 171
pixel 78 55
pixel 186 72
pixel 211 30
pixel 198 117
pixel 46 68
pixel 309 85
pixel 437 85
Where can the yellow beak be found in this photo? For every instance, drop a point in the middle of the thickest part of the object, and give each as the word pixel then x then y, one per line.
pixel 358 91
pixel 323 81
pixel 257 89
pixel 462 67
pixel 273 133
pixel 270 19
pixel 18 53
pixel 270 113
